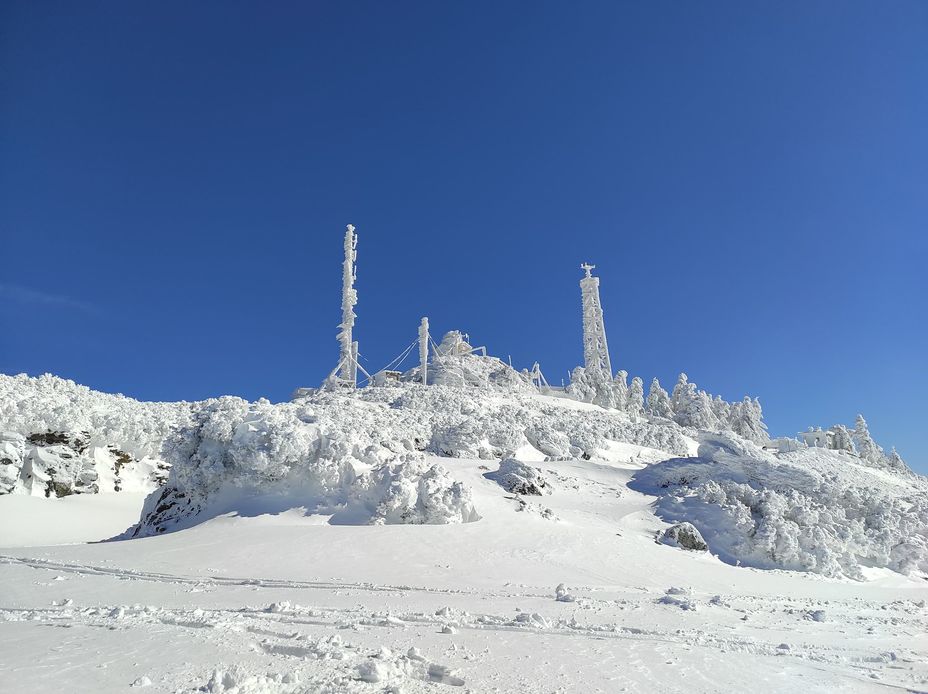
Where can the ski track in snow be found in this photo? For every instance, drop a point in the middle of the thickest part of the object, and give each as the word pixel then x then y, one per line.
pixel 291 632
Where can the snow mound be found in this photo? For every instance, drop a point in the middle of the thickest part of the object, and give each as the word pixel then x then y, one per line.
pixel 809 510
pixel 470 370
pixel 412 492
pixel 253 458
pixel 519 478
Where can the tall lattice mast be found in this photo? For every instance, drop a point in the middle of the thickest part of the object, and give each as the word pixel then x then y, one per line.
pixel 595 349
pixel 347 372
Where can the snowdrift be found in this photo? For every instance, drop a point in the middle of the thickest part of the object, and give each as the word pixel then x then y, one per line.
pixel 808 510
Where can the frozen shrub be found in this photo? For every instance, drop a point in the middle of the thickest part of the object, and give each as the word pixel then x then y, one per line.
pixel 411 492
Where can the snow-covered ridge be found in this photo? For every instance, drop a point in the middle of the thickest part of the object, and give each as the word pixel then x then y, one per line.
pixel 368 456
pixel 357 455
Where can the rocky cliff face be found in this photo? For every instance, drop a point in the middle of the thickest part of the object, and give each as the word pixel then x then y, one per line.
pixel 60 463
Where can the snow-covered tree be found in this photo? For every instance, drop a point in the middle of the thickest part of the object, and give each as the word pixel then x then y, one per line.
pixel 747 420
pixel 682 392
pixel 700 412
pixel 692 407
pixel 634 402
pixel 580 388
pixel 659 401
pixel 590 386
pixel 605 395
pixel 895 461
pixel 722 410
pixel 842 438
pixel 620 387
pixel 866 446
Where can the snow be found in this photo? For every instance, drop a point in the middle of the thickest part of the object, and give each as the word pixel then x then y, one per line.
pixel 363 543
pixel 808 510
pixel 28 520
pixel 282 603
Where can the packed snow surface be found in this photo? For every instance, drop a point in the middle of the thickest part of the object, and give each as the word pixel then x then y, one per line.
pixel 412 538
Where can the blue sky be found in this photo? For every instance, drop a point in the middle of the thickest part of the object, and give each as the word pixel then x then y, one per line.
pixel 751 180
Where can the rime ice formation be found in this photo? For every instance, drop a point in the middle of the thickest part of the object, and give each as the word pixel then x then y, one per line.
pixel 346 373
pixel 595 350
pixel 59 438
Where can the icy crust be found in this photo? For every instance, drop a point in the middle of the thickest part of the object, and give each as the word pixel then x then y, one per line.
pixel 809 510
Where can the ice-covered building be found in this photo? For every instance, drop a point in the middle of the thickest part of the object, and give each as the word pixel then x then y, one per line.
pixel 817 438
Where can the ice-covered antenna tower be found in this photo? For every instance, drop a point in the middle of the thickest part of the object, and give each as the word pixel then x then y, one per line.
pixel 424 349
pixel 595 349
pixel 346 373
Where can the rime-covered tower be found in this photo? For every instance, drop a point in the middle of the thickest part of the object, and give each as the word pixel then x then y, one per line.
pixel 347 372
pixel 595 349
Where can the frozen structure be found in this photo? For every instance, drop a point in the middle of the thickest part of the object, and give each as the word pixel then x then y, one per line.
pixel 424 350
pixel 346 373
pixel 595 350
pixel 593 382
pixel 816 438
pixel 456 363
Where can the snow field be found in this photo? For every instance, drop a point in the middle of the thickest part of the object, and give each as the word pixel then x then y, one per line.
pixel 282 603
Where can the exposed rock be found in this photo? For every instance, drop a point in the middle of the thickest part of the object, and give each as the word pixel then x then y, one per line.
pixel 61 463
pixel 684 536
pixel 12 452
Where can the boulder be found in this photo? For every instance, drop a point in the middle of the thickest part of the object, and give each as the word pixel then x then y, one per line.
pixel 519 478
pixel 684 536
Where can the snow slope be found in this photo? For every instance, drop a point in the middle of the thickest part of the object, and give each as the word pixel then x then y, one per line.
pixel 288 603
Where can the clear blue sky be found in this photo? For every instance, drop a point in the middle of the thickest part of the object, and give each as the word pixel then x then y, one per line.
pixel 751 180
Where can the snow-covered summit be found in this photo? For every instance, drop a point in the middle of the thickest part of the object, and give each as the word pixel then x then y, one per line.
pixel 386 455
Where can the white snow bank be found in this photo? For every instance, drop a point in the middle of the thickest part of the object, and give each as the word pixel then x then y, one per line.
pixel 810 510
pixel 255 458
